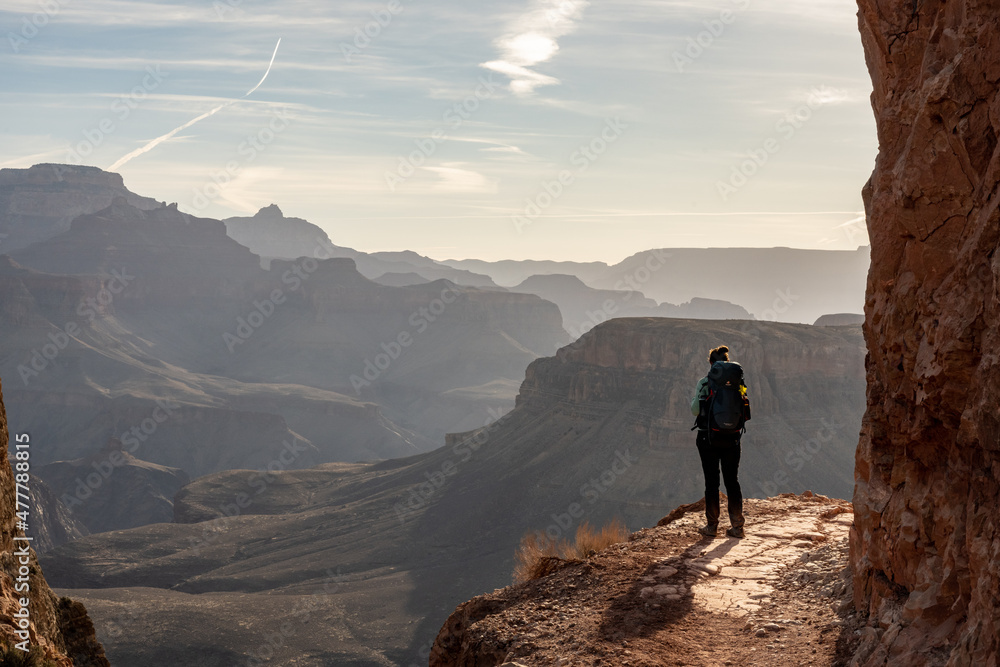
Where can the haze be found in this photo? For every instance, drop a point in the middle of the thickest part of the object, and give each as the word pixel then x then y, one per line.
pixel 339 112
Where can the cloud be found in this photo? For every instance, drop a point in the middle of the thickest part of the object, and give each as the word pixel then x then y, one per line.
pixel 823 95
pixel 504 149
pixel 532 39
pixel 456 179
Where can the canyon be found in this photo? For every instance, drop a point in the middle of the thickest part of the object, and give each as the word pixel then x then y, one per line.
pixel 378 554
pixel 251 430
pixel 924 545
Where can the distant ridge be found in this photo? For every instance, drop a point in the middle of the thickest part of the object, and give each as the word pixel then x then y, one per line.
pixel 39 202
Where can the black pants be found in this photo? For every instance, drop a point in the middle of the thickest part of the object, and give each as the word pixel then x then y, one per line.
pixel 727 455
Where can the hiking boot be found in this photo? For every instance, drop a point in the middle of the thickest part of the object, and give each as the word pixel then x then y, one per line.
pixel 709 530
pixel 736 532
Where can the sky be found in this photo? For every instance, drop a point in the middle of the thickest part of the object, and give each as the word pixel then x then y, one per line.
pixel 514 129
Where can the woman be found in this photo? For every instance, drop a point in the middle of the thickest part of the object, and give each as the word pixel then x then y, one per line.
pixel 720 447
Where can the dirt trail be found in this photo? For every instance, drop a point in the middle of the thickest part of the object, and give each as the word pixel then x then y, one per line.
pixel 669 596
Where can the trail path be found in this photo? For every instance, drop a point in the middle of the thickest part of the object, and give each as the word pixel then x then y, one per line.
pixel 669 596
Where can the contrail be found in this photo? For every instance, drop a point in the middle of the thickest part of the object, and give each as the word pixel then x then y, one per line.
pixel 169 135
pixel 273 56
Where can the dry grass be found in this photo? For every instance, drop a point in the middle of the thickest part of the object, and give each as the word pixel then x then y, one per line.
pixel 587 539
pixel 538 557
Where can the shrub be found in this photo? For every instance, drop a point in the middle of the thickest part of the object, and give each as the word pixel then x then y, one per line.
pixel 11 656
pixel 537 557
pixel 587 539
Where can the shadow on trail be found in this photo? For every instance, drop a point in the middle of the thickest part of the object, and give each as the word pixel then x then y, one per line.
pixel 632 615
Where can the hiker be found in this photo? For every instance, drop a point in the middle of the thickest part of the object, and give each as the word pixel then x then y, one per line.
pixel 722 408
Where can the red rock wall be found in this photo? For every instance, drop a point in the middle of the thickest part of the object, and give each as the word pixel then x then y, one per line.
pixel 926 543
pixel 59 628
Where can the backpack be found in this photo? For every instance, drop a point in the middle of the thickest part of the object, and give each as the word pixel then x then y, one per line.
pixel 727 408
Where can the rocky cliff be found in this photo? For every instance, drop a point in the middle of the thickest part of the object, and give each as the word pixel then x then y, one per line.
pixel 40 202
pixel 926 542
pixel 160 258
pixel 805 385
pixel 58 629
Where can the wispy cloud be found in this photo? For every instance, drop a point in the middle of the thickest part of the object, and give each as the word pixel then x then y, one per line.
pixel 169 135
pixel 824 95
pixel 532 39
pixel 453 178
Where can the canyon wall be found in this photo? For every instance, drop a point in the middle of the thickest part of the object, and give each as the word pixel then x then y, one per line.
pixel 59 628
pixel 926 543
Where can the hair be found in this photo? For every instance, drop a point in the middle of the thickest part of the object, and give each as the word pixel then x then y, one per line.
pixel 720 353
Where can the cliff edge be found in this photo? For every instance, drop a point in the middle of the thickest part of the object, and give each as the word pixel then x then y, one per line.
pixel 668 595
pixel 926 543
pixel 58 629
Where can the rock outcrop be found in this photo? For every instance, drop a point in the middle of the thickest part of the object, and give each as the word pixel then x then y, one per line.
pixel 59 629
pixel 926 542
